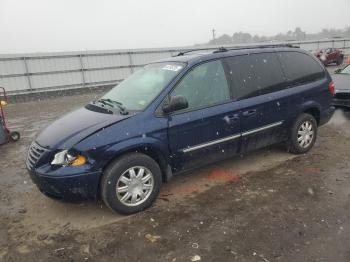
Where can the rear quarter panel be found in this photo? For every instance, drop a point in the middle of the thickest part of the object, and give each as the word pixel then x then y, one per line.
pixel 313 95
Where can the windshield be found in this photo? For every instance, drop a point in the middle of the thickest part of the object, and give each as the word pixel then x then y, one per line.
pixel 139 89
pixel 346 70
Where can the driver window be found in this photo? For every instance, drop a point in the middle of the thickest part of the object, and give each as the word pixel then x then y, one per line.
pixel 204 85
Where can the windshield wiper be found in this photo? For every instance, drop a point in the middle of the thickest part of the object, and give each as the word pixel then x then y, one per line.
pixel 113 103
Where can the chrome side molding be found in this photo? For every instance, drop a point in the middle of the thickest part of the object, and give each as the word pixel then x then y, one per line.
pixel 233 137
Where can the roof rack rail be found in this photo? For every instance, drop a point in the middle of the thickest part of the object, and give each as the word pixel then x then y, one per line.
pixel 181 53
pixel 223 49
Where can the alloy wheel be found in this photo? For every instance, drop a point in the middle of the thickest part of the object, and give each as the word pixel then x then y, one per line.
pixel 305 134
pixel 135 186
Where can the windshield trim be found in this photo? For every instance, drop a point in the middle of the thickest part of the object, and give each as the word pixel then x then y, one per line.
pixel 185 64
pixel 109 110
pixel 170 82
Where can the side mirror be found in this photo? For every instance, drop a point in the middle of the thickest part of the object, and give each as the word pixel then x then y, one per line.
pixel 337 71
pixel 176 103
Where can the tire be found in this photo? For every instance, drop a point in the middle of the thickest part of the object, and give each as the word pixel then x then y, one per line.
pixel 296 139
pixel 340 61
pixel 142 191
pixel 14 136
pixel 347 113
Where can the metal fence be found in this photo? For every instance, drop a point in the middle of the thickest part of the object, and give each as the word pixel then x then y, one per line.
pixel 28 73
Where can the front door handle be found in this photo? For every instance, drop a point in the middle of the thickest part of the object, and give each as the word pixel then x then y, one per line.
pixel 249 113
pixel 231 118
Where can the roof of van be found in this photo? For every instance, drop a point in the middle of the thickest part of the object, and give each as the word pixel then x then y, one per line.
pixel 195 56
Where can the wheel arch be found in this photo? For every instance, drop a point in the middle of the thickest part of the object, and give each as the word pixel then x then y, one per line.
pixel 315 112
pixel 150 150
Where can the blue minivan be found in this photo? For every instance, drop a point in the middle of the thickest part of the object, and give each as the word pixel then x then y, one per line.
pixel 177 114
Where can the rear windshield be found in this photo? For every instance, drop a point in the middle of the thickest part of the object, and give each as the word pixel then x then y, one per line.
pixel 300 68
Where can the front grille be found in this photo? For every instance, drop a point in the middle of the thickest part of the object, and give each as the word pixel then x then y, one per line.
pixel 35 152
pixel 342 96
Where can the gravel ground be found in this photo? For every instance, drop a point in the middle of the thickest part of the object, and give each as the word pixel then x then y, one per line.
pixel 265 206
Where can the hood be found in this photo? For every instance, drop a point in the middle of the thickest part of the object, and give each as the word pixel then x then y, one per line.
pixel 74 127
pixel 342 82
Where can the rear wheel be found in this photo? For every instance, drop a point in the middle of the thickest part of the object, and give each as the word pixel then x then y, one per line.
pixel 303 134
pixel 131 183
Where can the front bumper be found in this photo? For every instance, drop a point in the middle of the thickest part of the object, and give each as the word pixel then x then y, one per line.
pixel 70 188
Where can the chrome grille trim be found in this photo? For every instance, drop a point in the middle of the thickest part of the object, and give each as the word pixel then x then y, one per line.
pixel 35 152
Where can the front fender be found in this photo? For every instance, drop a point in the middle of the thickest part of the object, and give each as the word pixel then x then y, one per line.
pixel 140 131
pixel 142 144
pixel 102 156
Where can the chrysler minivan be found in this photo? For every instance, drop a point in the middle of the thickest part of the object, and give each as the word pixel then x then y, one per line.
pixel 178 114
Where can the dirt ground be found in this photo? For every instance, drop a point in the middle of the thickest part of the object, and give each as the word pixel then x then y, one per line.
pixel 265 206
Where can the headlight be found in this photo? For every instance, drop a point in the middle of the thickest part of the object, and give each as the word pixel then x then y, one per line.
pixel 67 158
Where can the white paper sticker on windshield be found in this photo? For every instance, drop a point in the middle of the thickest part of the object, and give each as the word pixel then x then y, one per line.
pixel 172 67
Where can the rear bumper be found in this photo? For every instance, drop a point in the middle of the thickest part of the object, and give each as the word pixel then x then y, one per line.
pixel 69 188
pixel 342 103
pixel 326 115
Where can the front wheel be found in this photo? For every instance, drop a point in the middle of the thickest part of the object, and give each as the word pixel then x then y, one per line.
pixel 131 183
pixel 303 134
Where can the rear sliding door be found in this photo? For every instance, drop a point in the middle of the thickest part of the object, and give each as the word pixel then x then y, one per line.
pixel 259 85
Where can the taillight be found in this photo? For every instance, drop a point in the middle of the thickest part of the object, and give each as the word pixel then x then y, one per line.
pixel 331 88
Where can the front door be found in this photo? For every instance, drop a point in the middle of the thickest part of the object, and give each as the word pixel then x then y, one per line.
pixel 209 129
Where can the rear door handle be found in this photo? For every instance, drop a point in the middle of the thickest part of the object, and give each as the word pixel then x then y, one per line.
pixel 249 113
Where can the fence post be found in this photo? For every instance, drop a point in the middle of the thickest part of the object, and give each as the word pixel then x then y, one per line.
pixel 27 73
pixel 130 62
pixel 82 69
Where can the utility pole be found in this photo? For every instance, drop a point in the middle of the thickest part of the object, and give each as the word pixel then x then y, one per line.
pixel 213 30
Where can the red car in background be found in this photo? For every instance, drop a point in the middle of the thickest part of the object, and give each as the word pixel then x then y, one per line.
pixel 330 55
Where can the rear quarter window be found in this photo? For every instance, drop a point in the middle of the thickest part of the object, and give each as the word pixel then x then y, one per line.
pixel 255 74
pixel 300 68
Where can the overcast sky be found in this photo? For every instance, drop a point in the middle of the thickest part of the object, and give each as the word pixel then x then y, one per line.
pixel 59 25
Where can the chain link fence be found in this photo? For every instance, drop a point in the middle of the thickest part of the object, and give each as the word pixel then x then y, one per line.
pixel 31 73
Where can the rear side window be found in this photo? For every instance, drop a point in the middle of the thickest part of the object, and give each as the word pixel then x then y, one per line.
pixel 256 74
pixel 300 68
